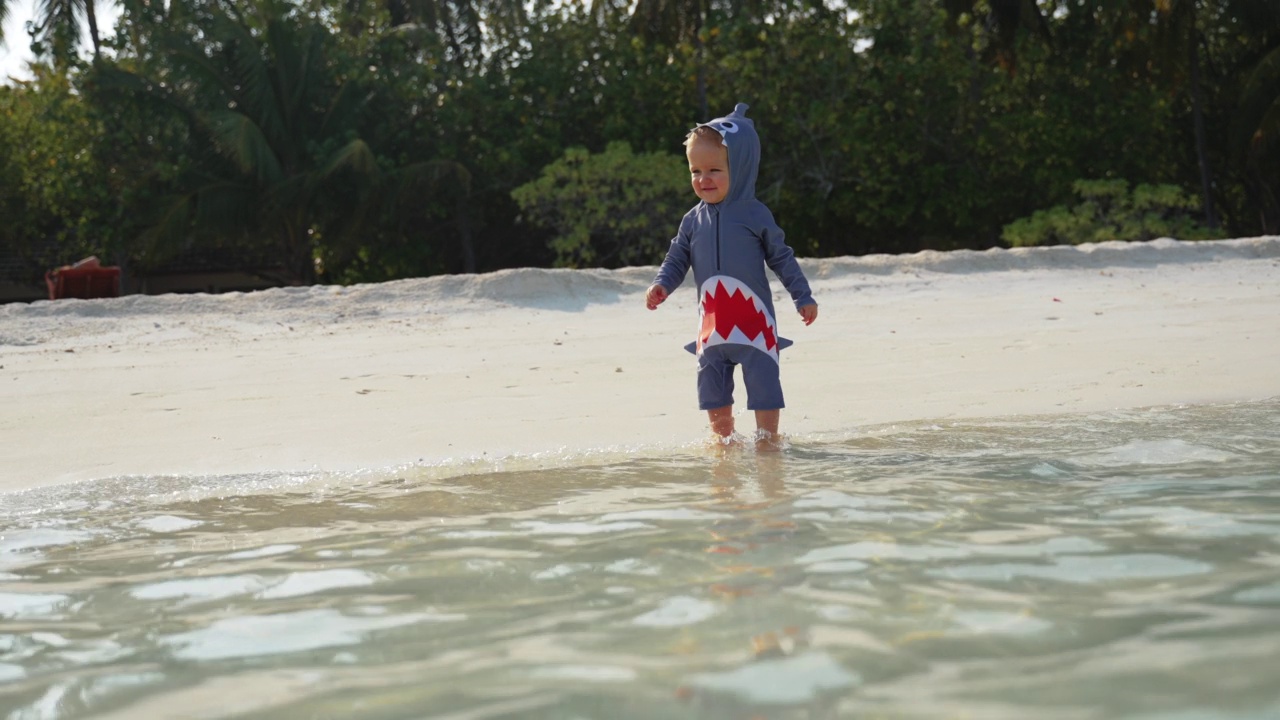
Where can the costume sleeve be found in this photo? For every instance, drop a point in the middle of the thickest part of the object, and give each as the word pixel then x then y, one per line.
pixel 676 265
pixel 781 259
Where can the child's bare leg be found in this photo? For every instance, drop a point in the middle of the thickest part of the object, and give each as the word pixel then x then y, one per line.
pixel 767 420
pixel 767 429
pixel 721 421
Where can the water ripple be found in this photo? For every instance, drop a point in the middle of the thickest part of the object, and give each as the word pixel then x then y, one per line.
pixel 1120 565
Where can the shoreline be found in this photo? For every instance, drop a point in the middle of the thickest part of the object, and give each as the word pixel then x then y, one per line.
pixel 459 369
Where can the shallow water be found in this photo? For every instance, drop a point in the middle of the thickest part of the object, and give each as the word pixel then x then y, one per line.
pixel 1119 565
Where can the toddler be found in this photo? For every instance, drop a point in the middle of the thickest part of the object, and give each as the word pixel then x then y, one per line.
pixel 729 238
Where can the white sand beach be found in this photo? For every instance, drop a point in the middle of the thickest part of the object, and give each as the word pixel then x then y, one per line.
pixel 448 370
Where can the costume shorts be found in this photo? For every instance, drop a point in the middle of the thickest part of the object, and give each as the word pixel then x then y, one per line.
pixel 760 373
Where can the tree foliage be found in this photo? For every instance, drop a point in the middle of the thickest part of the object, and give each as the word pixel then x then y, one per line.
pixel 350 140
pixel 53 205
pixel 609 209
pixel 1107 210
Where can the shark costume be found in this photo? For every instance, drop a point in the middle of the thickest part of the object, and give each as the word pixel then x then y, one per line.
pixel 728 245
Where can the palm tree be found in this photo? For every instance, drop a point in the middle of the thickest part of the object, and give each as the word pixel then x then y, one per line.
pixel 285 132
pixel 466 30
pixel 1257 137
pixel 57 26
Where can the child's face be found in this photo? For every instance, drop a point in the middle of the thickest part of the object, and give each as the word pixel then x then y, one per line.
pixel 709 169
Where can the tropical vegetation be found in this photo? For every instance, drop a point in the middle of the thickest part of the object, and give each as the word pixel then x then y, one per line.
pixel 1108 210
pixel 364 140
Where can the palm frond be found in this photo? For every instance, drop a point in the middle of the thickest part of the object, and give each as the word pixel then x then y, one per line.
pixel 307 72
pixel 1268 133
pixel 58 17
pixel 241 140
pixel 257 93
pixel 355 156
pixel 1257 120
pixel 1264 77
pixel 410 182
pixel 111 77
pixel 288 67
pixel 346 105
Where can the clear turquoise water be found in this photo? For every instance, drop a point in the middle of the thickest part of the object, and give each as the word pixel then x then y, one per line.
pixel 1119 565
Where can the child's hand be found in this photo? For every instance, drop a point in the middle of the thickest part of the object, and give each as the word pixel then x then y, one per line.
pixel 654 296
pixel 809 313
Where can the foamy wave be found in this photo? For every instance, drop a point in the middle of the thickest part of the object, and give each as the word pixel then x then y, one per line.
pixel 163 490
pixel 1156 451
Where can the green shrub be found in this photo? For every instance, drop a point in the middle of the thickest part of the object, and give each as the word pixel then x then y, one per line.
pixel 610 209
pixel 1109 211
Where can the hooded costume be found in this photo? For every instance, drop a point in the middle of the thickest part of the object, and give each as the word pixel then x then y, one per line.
pixel 729 245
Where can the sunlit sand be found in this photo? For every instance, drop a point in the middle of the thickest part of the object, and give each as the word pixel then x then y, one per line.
pixel 449 370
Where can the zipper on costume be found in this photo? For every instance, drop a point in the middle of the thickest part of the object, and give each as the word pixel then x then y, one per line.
pixel 717 211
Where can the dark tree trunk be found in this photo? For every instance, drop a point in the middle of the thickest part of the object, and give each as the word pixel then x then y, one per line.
pixel 1202 150
pixel 91 14
pixel 702 63
pixel 465 237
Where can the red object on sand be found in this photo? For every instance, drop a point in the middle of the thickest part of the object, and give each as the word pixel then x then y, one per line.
pixel 86 279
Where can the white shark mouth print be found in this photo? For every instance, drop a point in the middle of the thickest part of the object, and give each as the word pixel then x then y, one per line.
pixel 732 313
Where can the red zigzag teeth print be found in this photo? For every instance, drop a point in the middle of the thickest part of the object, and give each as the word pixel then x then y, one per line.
pixel 722 311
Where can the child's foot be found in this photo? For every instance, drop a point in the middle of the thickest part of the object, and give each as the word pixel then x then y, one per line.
pixel 770 442
pixel 725 443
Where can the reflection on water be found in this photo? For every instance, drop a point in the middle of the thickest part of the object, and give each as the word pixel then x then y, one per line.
pixel 1122 565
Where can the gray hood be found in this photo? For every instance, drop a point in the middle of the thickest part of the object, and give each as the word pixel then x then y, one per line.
pixel 738 134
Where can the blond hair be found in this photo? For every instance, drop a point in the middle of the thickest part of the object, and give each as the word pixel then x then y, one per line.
pixel 703 132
